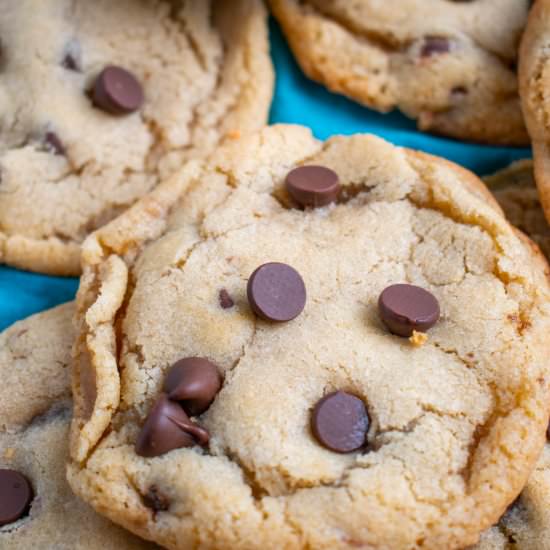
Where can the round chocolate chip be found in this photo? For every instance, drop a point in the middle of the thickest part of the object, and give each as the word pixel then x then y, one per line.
pixel 167 427
pixel 117 91
pixel 313 185
pixel 434 45
pixel 404 308
pixel 15 496
pixel 276 292
pixel 340 422
pixel 194 382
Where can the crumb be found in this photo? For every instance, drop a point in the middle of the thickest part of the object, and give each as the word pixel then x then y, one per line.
pixel 418 339
pixel 233 134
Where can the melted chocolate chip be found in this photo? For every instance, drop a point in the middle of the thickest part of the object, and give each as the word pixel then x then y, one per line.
pixel 434 45
pixel 167 427
pixel 225 299
pixel 16 495
pixel 459 91
pixel 53 143
pixel 117 91
pixel 155 500
pixel 194 382
pixel 276 292
pixel 404 308
pixel 313 185
pixel 340 422
pixel 69 63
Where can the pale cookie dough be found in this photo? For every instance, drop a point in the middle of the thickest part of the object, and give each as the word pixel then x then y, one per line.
pixel 35 412
pixel 515 190
pixel 534 80
pixel 456 424
pixel 448 64
pixel 67 167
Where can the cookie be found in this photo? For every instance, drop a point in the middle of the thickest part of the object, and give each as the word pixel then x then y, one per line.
pixel 383 358
pixel 106 100
pixel 533 77
pixel 516 191
pixel 526 524
pixel 448 64
pixel 37 507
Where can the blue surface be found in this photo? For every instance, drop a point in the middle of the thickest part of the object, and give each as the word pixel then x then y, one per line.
pixel 297 100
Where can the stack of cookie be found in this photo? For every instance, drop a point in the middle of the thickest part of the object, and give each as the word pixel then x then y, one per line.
pixel 277 342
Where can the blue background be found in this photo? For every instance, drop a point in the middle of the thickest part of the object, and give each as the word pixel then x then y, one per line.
pixel 299 101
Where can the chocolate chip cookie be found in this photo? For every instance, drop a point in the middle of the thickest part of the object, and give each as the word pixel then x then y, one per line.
pixel 101 100
pixel 526 523
pixel 534 68
pixel 448 64
pixel 351 356
pixel 515 190
pixel 37 507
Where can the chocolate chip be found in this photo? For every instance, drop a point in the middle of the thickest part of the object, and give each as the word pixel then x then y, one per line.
pixel 53 143
pixel 459 91
pixel 226 301
pixel 313 185
pixel 16 495
pixel 194 382
pixel 340 422
pixel 69 62
pixel 155 500
pixel 435 45
pixel 404 308
pixel 166 428
pixel 117 91
pixel 276 292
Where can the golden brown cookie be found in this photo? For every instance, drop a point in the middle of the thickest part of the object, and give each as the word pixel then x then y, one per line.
pixel 99 101
pixel 448 64
pixel 526 524
pixel 517 194
pixel 534 88
pixel 35 411
pixel 335 425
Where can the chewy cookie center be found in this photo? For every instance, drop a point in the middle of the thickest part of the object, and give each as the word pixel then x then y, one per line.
pixel 421 401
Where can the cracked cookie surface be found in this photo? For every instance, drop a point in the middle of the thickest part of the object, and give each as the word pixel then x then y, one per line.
pixel 534 75
pixel 449 65
pixel 67 166
pixel 35 408
pixel 455 424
